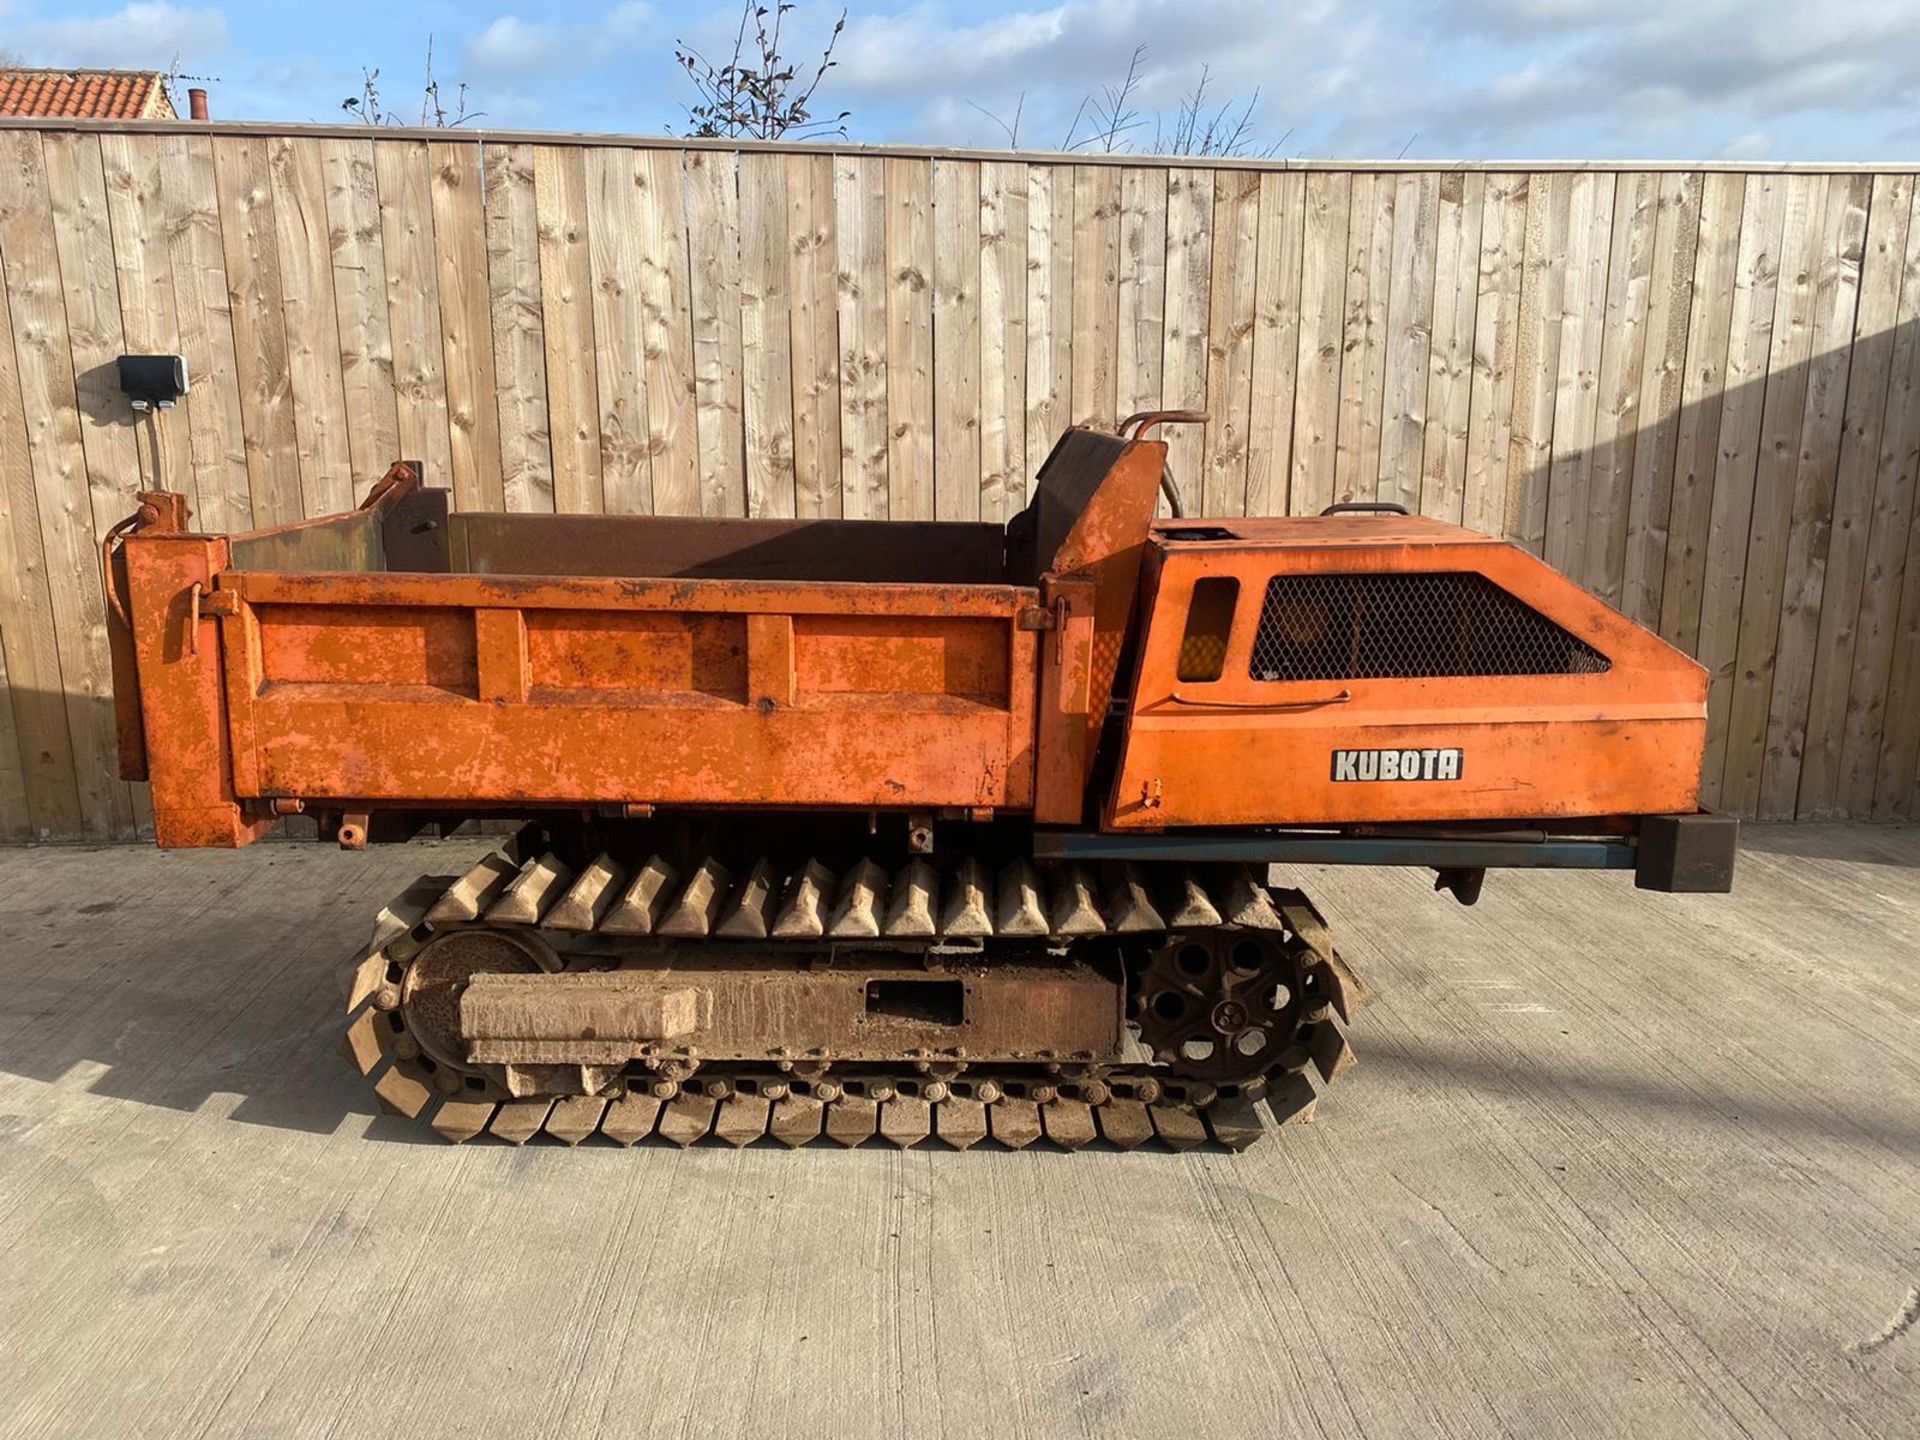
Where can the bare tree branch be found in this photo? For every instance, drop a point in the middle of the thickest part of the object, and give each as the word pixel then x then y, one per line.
pixel 758 93
pixel 435 109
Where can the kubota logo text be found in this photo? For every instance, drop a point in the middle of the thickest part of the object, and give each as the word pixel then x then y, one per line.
pixel 1396 765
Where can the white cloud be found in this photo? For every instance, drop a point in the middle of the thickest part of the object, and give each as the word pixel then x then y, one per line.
pixel 141 36
pixel 1467 76
pixel 635 20
pixel 511 48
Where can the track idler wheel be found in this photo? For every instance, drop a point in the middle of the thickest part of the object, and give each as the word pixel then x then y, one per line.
pixel 1223 1005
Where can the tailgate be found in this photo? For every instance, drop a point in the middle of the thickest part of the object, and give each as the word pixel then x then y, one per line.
pixel 464 688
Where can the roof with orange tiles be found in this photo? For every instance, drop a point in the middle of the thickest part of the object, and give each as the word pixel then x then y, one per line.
pixel 90 94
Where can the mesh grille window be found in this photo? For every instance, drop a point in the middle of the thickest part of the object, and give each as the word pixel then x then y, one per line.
pixel 1407 626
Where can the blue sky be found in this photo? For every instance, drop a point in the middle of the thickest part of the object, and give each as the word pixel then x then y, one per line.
pixel 1483 79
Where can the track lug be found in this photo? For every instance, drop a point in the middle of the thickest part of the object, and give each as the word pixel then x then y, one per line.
pixel 1069 1123
pixel 406 1089
pixel 474 891
pixel 852 1119
pixel 1014 1123
pixel 916 891
pixel 518 1121
pixel 905 1121
pixel 459 1120
pixel 863 893
pixel 1332 1055
pixel 1291 1098
pixel 539 885
pixel 960 1123
pixel 750 911
pixel 742 1119
pixel 796 1120
pixel 630 1118
pixel 1124 1124
pixel 591 896
pixel 966 913
pixel 1019 910
pixel 575 1118
pixel 687 1118
pixel 1235 1123
pixel 693 914
pixel 803 912
pixel 367 1041
pixel 1178 1129
pixel 1074 910
pixel 638 911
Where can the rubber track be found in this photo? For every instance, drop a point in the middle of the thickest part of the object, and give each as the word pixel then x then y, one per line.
pixel 377 1045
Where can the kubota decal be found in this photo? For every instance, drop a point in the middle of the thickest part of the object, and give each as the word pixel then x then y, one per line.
pixel 1396 765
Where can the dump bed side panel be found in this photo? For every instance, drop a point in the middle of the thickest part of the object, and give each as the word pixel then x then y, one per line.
pixel 471 689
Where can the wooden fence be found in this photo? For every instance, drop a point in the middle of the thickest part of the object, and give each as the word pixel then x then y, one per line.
pixel 1696 390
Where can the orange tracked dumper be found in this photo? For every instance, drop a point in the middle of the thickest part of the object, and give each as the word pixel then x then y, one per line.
pixel 841 828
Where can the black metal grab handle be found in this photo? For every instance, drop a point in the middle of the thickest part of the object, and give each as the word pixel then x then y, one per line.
pixel 1366 507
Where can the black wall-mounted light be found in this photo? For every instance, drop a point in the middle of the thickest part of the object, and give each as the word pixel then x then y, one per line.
pixel 153 382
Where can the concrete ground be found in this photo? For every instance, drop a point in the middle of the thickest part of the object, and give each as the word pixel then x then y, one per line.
pixel 1612 1164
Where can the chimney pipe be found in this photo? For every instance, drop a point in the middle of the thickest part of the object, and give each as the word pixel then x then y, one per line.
pixel 197 104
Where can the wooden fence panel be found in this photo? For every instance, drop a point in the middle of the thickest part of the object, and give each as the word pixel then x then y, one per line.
pixel 1696 391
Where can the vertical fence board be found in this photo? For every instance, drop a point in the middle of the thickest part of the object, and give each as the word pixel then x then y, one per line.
pixel 1096 300
pixel 38 707
pixel 1003 340
pixel 673 437
pixel 519 329
pixel 1496 324
pixel 1456 273
pixel 1756 283
pixel 956 341
pixel 1536 360
pixel 1141 324
pixel 766 340
pixel 1837 261
pixel 30 264
pixel 259 328
pixel 614 180
pixel 1845 594
pixel 1409 335
pixel 566 327
pixel 814 307
pixel 149 316
pixel 466 326
pixel 403 171
pixel 312 324
pixel 1183 361
pixel 1323 292
pixel 1230 326
pixel 360 303
pixel 1783 413
pixel 1883 709
pixel 1583 300
pixel 910 339
pixel 1600 538
pixel 1662 380
pixel 1702 404
pixel 713 228
pixel 1276 343
pixel 860 221
pixel 1363 368
pixel 216 425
